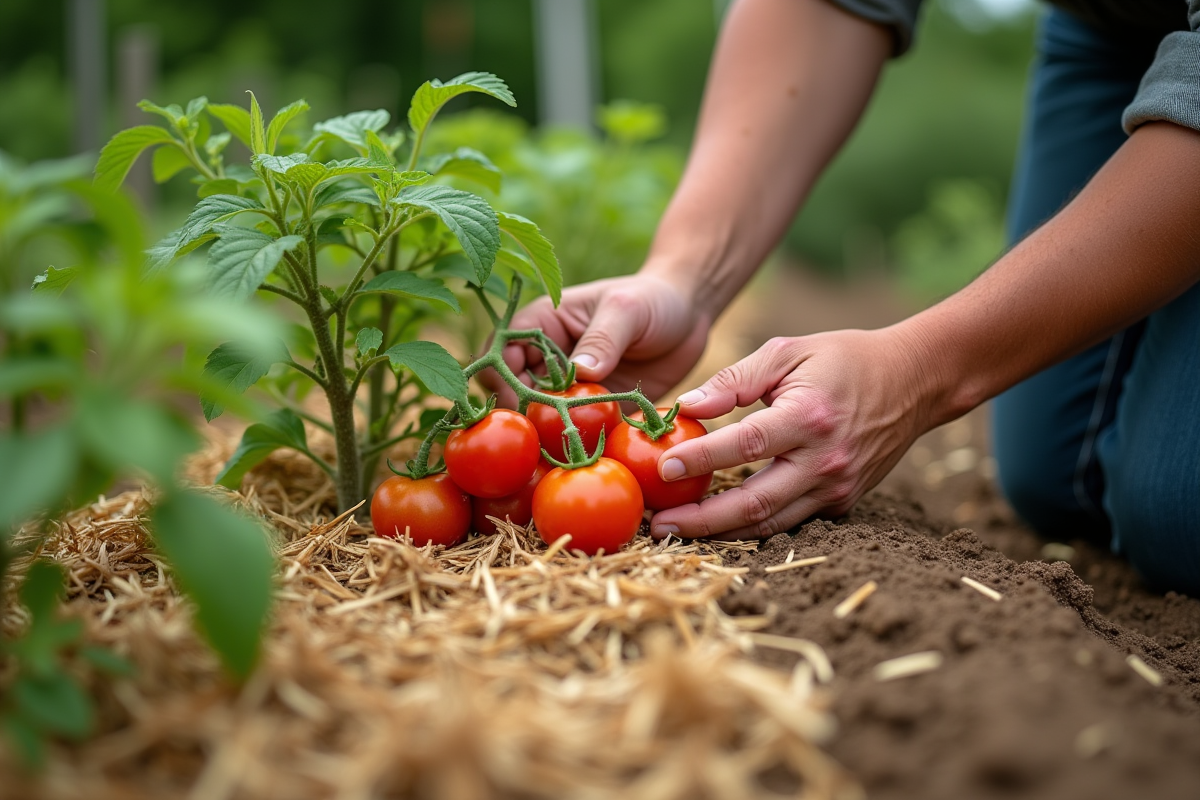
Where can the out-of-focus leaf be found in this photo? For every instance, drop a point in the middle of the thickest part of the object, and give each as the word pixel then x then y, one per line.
pixel 38 471
pixel 119 432
pixel 54 703
pixel 466 163
pixel 168 162
pixel 54 280
pixel 236 368
pixel 223 562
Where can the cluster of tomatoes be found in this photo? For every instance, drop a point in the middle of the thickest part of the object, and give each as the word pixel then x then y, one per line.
pixel 494 468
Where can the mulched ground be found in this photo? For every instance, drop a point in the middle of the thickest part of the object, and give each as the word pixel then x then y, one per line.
pixel 1034 697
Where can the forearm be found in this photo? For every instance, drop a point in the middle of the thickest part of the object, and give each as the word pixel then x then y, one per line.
pixel 1126 245
pixel 789 80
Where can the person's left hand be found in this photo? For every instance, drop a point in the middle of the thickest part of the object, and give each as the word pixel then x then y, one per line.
pixel 842 409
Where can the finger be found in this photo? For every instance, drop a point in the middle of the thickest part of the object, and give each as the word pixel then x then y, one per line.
pixel 762 434
pixel 741 384
pixel 617 321
pixel 759 503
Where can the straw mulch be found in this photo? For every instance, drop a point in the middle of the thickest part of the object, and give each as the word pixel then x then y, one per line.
pixel 497 668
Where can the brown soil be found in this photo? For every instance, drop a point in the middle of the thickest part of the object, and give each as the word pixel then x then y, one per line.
pixel 1035 697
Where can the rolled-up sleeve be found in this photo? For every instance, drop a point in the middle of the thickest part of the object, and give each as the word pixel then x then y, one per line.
pixel 1170 89
pixel 898 15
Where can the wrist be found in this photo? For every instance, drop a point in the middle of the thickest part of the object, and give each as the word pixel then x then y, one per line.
pixel 944 390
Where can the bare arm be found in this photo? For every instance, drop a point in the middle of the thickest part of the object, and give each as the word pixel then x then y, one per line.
pixel 789 80
pixel 845 405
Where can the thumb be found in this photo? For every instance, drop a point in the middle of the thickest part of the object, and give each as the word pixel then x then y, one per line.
pixel 738 385
pixel 618 320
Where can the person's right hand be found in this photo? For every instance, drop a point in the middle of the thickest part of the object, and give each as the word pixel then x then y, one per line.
pixel 628 331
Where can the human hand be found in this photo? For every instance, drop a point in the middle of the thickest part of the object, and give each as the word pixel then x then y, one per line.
pixel 842 409
pixel 628 331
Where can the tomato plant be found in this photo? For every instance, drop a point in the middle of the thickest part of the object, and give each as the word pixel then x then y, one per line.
pixel 430 509
pixel 590 419
pixel 494 457
pixel 517 507
pixel 634 448
pixel 600 505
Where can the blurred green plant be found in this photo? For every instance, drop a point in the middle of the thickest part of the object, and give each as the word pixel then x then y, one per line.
pixel 960 232
pixel 90 377
pixel 598 198
pixel 360 245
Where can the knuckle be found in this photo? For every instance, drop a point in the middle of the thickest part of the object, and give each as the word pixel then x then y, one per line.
pixel 753 441
pixel 728 379
pixel 835 462
pixel 821 418
pixel 756 507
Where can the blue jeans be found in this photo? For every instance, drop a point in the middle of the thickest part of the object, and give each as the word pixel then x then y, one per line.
pixel 1105 445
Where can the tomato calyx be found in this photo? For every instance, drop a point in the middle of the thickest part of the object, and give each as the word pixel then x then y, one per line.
pixel 469 415
pixel 655 427
pixel 416 470
pixel 586 462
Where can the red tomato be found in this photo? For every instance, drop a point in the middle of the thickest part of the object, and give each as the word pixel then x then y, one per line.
pixel 636 451
pixel 517 508
pixel 432 509
pixel 590 420
pixel 600 506
pixel 494 457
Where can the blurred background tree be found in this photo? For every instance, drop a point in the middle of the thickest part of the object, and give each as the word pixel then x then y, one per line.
pixel 947 114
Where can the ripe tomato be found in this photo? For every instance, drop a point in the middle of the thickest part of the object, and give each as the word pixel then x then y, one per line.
pixel 432 509
pixel 600 506
pixel 640 454
pixel 494 457
pixel 590 420
pixel 516 507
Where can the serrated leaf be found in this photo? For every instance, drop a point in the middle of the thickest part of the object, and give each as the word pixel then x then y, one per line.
pixel 242 258
pixel 48 461
pixel 433 365
pixel 368 341
pixel 199 224
pixel 466 163
pixel 352 128
pixel 122 150
pixel 223 562
pixel 171 113
pixel 529 238
pixel 377 151
pixel 168 162
pixel 281 429
pixel 468 216
pixel 280 121
pixel 54 280
pixel 54 703
pixel 235 119
pixel 345 192
pixel 219 186
pixel 280 164
pixel 407 284
pixel 258 137
pixel 432 95
pixel 306 176
pixel 235 367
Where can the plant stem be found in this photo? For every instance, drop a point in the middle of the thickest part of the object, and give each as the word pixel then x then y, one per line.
pixel 341 408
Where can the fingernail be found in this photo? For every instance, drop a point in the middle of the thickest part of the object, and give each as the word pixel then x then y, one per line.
pixel 673 469
pixel 694 396
pixel 585 360
pixel 663 531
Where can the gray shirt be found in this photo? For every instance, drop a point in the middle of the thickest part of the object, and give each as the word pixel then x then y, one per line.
pixel 1170 89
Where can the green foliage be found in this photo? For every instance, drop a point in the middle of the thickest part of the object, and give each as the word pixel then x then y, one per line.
pixel 599 199
pixel 308 208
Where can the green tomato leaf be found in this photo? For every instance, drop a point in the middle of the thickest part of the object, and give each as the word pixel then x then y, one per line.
pixel 235 119
pixel 537 247
pixel 368 341
pixel 258 137
pixel 468 216
pixel 407 284
pixel 199 224
pixel 306 176
pixel 216 144
pixel 26 738
pixel 236 367
pixel 168 162
pixel 631 122
pixel 119 432
pixel 455 266
pixel 280 121
pixel 223 562
pixel 106 661
pixel 345 192
pixel 42 590
pixel 195 106
pixel 172 113
pixel 377 151
pixel 432 95
pixel 280 164
pixel 242 258
pixel 433 365
pixel 42 469
pixel 352 128
pixel 54 280
pixel 281 429
pixel 466 163
pixel 122 150
pixel 22 374
pixel 54 703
